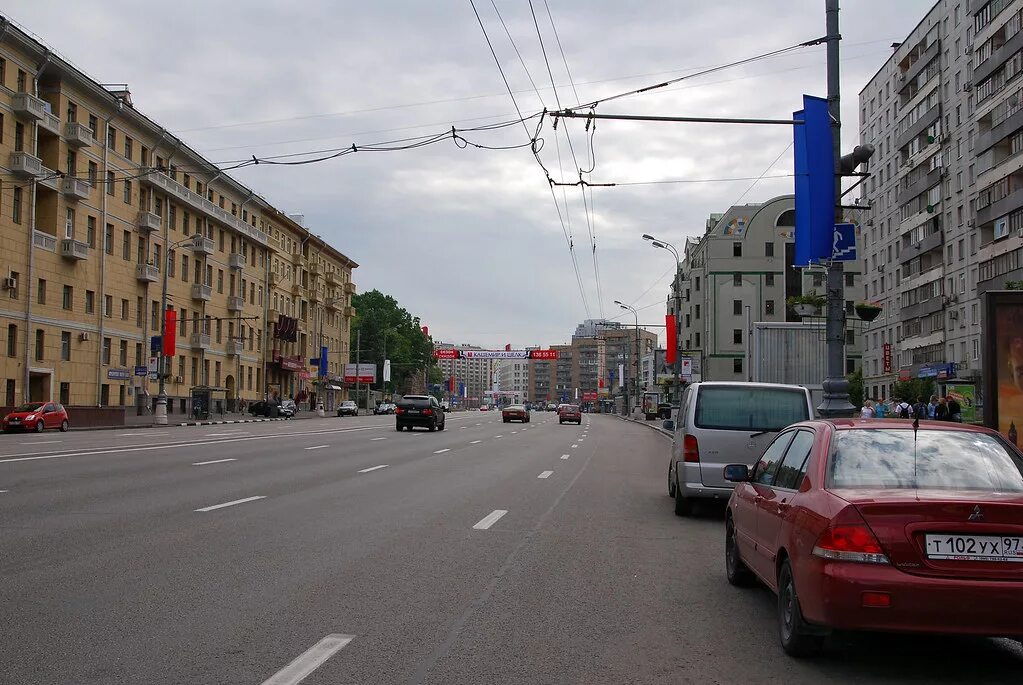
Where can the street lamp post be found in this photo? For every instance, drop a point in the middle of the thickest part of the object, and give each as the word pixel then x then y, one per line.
pixel 664 244
pixel 160 417
pixel 635 375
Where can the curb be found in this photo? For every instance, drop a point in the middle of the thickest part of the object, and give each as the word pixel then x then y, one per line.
pixel 220 423
pixel 652 427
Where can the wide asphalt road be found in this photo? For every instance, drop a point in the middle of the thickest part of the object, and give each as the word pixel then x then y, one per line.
pixel 342 551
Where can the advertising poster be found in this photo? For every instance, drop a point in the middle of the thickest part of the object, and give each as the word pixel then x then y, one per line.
pixel 1003 368
pixel 966 396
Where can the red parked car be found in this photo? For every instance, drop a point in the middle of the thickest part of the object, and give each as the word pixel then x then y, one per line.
pixel 569 412
pixel 37 416
pixel 879 525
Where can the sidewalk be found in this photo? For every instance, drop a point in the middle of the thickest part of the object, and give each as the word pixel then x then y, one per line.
pixel 146 420
pixel 638 417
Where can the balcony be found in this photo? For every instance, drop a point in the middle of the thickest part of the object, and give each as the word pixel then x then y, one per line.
pixel 929 306
pixel 272 315
pixel 315 270
pixel 200 341
pixel 315 296
pixel 922 183
pixel 333 279
pixel 146 273
pixel 235 303
pixel 201 292
pixel 296 288
pixel 234 348
pixel 1000 208
pixel 74 249
pixel 201 245
pixel 25 165
pixel 236 260
pixel 298 259
pixel 921 63
pixel 334 303
pixel 349 288
pixel 49 179
pixel 918 127
pixel 149 222
pixel 197 202
pixel 924 246
pixel 275 279
pixel 29 107
pixel 998 57
pixel 78 135
pixel 75 188
pixel 348 312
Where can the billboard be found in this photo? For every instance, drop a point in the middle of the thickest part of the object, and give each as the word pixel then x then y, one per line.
pixel 1003 361
pixel 966 396
pixel 446 353
pixel 360 373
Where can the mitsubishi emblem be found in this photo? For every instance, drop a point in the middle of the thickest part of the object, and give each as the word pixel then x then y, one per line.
pixel 977 515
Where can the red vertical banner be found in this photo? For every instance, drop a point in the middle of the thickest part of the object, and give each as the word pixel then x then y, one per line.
pixel 426 331
pixel 507 348
pixel 170 329
pixel 672 335
pixel 451 384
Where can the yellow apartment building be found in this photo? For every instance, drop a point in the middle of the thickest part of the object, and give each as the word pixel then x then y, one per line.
pixel 101 208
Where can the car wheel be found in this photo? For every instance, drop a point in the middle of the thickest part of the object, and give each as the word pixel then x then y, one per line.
pixel 738 573
pixel 433 426
pixel 560 421
pixel 39 426
pixel 671 482
pixel 64 426
pixel 797 638
pixel 441 426
pixel 683 505
pixel 398 427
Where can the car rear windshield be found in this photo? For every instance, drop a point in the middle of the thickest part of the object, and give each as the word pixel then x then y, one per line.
pixel 932 460
pixel 748 408
pixel 570 407
pixel 414 402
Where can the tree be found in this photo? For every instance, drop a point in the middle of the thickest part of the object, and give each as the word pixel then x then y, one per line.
pixel 383 325
pixel 856 387
pixel 912 389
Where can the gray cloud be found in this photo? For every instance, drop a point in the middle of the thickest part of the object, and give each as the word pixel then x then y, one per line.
pixel 479 225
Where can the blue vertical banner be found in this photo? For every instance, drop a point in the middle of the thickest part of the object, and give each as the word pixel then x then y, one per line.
pixel 322 370
pixel 815 182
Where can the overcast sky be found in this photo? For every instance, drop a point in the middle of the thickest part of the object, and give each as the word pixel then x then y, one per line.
pixel 470 239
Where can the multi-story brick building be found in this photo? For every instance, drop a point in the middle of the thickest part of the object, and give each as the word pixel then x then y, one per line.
pixel 475 372
pixel 100 207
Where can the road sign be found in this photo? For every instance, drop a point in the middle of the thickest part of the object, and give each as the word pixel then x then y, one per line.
pixel 141 370
pixel 843 246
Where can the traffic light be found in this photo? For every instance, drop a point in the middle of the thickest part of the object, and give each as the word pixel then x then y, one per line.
pixel 860 154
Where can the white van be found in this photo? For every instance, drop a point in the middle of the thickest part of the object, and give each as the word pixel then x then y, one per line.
pixel 720 423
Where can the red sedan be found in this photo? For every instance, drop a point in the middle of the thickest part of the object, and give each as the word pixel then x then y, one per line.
pixel 570 412
pixel 37 416
pixel 879 525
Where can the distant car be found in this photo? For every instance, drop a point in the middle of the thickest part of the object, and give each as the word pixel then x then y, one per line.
pixel 570 413
pixel 37 416
pixel 288 409
pixel 881 525
pixel 419 410
pixel 515 412
pixel 383 408
pixel 348 408
pixel 552 406
pixel 484 407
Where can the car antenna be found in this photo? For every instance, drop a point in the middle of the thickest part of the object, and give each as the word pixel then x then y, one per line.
pixel 916 427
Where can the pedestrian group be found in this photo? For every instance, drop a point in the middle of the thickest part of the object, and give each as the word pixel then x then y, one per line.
pixel 938 409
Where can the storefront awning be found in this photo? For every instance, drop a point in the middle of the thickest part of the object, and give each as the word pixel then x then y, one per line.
pixel 334 387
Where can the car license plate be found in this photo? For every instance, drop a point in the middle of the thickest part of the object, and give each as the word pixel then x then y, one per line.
pixel 13 421
pixel 413 411
pixel 975 547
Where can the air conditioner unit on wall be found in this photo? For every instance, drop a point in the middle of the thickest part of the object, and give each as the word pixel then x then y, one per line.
pixel 10 283
pixel 83 337
pixel 967 87
pixel 179 379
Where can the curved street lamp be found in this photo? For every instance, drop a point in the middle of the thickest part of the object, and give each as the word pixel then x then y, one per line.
pixel 665 245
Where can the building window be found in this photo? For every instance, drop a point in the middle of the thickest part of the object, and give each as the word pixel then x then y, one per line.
pixel 108 239
pixel 90 232
pixel 16 205
pixel 697 312
pixel 818 280
pixel 127 192
pixel 41 292
pixel 736 249
pixel 126 246
pixel 768 249
pixel 122 353
pixel 12 344
pixel 737 336
pixel 65 346
pixel 769 307
pixel 737 307
pixel 106 352
pixel 737 280
pixel 128 145
pixel 124 309
pixel 111 137
pixel 40 344
pixel 697 284
pixel 68 299
pixel 110 183
pixel 65 393
pixel 769 280
pixel 139 311
pixel 849 280
pixel 737 365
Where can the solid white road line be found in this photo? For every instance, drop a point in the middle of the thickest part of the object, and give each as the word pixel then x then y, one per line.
pixel 224 434
pixel 41 442
pixel 317 447
pixel 373 468
pixel 446 449
pixel 564 456
pixel 545 474
pixel 232 503
pixel 215 461
pixel 490 519
pixel 514 432
pixel 2 491
pixel 474 442
pixel 498 436
pixel 309 660
pixel 375 439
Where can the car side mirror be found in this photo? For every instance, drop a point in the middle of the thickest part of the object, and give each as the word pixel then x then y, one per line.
pixel 736 473
pixel 668 425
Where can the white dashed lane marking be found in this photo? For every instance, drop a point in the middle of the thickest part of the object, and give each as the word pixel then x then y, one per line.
pixel 446 449
pixel 215 461
pixel 309 660
pixel 545 474
pixel 373 468
pixel 490 519
pixel 232 503
pixel 564 456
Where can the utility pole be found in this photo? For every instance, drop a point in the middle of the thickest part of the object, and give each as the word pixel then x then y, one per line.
pixel 836 387
pixel 358 358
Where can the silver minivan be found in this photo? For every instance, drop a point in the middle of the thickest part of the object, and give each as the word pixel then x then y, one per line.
pixel 720 423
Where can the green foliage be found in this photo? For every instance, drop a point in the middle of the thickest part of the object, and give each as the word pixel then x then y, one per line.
pixel 387 326
pixel 913 389
pixel 1014 285
pixel 810 298
pixel 856 387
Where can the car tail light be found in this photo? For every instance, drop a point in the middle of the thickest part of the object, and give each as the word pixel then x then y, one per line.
pixel 399 410
pixel 850 542
pixel 690 450
pixel 877 600
pixel 427 412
